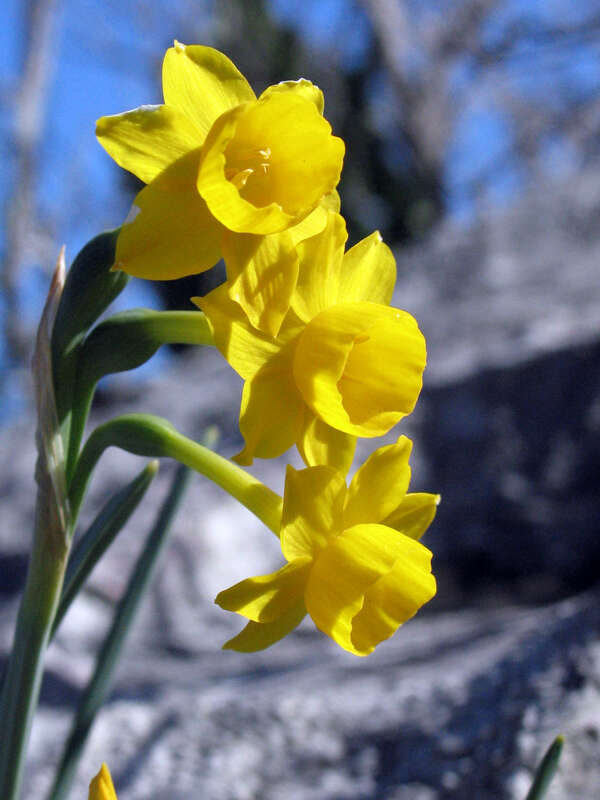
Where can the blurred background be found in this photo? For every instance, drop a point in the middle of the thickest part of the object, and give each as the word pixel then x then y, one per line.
pixel 472 130
pixel 473 145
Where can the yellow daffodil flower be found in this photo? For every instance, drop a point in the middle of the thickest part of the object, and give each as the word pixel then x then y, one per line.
pixel 344 364
pixel 219 163
pixel 354 562
pixel 101 787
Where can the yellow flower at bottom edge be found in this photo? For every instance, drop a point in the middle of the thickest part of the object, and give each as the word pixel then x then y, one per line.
pixel 344 363
pixel 101 787
pixel 218 162
pixel 354 562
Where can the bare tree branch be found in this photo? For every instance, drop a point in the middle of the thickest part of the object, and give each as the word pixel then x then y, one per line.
pixel 20 215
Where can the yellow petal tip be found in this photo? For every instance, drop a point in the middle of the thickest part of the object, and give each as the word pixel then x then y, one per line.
pixel 242 459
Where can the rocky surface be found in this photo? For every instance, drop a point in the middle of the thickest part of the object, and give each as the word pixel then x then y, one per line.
pixel 460 703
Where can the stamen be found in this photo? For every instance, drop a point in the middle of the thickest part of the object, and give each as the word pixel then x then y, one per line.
pixel 243 162
pixel 239 179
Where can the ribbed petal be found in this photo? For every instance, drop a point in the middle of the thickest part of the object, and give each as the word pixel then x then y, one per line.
pixel 359 366
pixel 319 443
pixel 414 514
pixel 395 597
pixel 263 284
pixel 101 787
pixel 344 575
pixel 316 221
pixel 258 636
pixel 379 485
pixel 171 232
pixel 202 83
pixel 339 578
pixel 146 140
pixel 266 165
pixel 321 354
pixel 265 598
pixel 320 269
pixel 302 88
pixel 271 413
pixel 368 272
pixel 383 375
pixel 313 502
pixel 246 349
pixel 309 226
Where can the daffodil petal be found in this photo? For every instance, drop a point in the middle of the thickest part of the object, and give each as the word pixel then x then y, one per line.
pixel 170 233
pixel 379 485
pixel 312 510
pixel 344 573
pixel 101 786
pixel 331 201
pixel 265 598
pixel 202 83
pixel 238 250
pixel 260 635
pixel 319 443
pixel 305 159
pixel 359 366
pixel 414 514
pixel 263 285
pixel 394 598
pixel 368 272
pixel 246 349
pixel 146 140
pixel 319 272
pixel 389 360
pixel 270 414
pixel 266 165
pixel 223 196
pixel 309 226
pixel 301 87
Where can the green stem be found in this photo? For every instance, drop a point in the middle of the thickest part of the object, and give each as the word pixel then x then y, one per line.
pixel 147 435
pixel 49 552
pixel 123 342
pixel 97 689
pixel 25 667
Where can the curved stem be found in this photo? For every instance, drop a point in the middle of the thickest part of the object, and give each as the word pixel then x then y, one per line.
pixel 123 342
pixel 147 435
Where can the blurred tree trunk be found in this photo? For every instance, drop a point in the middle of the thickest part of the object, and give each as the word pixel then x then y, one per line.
pixel 22 230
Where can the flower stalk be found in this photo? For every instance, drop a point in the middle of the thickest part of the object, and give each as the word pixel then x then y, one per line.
pixel 51 541
pixel 154 437
pixel 123 342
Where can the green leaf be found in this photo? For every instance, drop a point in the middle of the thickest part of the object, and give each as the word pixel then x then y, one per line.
pixel 100 535
pixel 546 770
pixel 90 288
pixel 99 685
